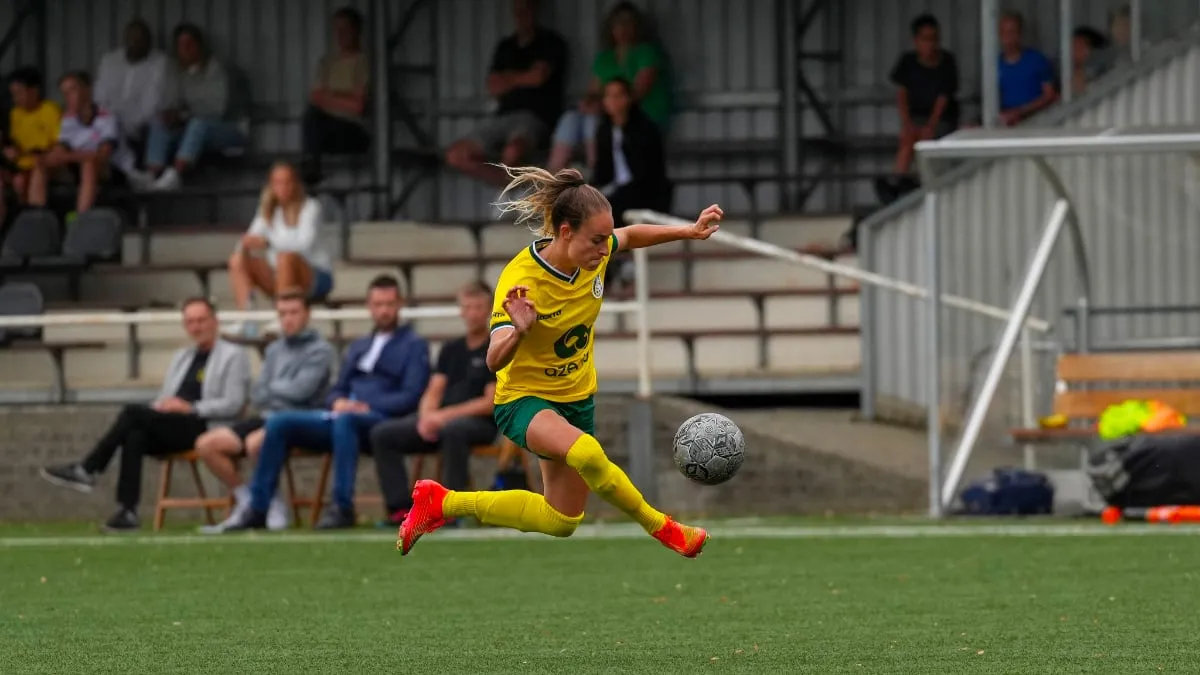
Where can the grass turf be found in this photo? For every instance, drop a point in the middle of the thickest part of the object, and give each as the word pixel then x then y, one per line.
pixel 964 604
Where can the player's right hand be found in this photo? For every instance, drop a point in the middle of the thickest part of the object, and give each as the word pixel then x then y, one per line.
pixel 520 308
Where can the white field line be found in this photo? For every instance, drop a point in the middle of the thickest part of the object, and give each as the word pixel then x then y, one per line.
pixel 613 532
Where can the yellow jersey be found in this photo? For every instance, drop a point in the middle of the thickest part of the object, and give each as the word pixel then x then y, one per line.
pixel 33 130
pixel 554 361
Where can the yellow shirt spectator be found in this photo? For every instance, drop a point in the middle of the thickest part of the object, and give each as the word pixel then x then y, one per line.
pixel 33 131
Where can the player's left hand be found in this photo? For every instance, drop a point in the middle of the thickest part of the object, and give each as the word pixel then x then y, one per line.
pixel 707 223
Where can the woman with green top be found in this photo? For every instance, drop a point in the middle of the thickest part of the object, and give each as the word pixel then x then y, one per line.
pixel 628 56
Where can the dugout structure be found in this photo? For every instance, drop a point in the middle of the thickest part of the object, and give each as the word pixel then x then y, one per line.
pixel 1143 179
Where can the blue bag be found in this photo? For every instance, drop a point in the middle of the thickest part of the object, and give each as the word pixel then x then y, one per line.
pixel 1009 492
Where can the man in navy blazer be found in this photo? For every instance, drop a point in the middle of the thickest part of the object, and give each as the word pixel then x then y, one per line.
pixel 383 375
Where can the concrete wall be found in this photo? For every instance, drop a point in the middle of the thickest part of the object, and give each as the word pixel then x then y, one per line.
pixel 779 478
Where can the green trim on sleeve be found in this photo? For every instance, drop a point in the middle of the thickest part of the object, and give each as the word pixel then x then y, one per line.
pixel 614 244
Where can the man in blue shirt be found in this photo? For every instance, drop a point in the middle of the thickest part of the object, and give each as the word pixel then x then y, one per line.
pixel 1025 74
pixel 383 375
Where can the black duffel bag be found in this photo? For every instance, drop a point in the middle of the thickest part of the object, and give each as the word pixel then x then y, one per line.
pixel 1148 470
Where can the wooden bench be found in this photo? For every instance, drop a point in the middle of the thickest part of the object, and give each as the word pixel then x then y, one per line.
pixel 1086 384
pixel 296 500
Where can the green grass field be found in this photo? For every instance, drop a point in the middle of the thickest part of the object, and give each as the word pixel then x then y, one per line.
pixel 779 598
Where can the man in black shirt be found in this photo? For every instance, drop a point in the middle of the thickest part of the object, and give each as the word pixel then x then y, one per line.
pixel 527 79
pixel 205 386
pixel 926 96
pixel 455 413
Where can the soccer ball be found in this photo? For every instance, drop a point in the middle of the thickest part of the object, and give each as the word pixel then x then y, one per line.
pixel 709 448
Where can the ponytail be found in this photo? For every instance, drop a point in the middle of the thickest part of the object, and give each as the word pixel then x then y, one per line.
pixel 548 200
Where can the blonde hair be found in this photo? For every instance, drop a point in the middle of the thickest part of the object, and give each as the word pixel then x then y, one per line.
pixel 549 200
pixel 267 202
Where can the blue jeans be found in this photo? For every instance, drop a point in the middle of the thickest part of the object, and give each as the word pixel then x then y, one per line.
pixel 196 136
pixel 575 128
pixel 320 430
pixel 322 284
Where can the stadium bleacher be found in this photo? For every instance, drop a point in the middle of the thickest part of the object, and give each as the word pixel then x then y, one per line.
pixel 716 315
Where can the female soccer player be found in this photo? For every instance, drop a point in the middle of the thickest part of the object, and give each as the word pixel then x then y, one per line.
pixel 542 325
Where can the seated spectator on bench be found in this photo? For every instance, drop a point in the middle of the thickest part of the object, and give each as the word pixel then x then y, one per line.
pixel 194 121
pixel 295 376
pixel 383 375
pixel 90 151
pixel 1025 74
pixel 335 121
pixel 1090 57
pixel 455 413
pixel 205 388
pixel 130 81
pixel 1120 30
pixel 629 56
pixel 527 80
pixel 926 82
pixel 631 162
pixel 33 126
pixel 282 250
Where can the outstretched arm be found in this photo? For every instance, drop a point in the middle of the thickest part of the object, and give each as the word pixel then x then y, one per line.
pixel 641 236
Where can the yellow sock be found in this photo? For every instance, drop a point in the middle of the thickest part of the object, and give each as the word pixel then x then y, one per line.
pixel 516 509
pixel 610 482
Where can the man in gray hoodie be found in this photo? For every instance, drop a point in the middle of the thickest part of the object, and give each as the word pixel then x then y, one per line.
pixel 295 376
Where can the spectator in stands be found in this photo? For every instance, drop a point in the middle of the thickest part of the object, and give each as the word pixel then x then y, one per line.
pixel 628 55
pixel 1025 74
pixel 527 80
pixel 335 122
pixel 205 388
pixel 194 120
pixel 1120 30
pixel 130 81
pixel 90 150
pixel 631 164
pixel 454 415
pixel 33 126
pixel 295 376
pixel 926 80
pixel 1090 57
pixel 383 375
pixel 282 250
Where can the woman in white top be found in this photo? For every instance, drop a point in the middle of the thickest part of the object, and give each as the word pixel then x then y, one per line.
pixel 282 250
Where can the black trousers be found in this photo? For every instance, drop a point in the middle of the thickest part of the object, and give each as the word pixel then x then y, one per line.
pixel 141 431
pixel 393 440
pixel 325 134
pixel 635 196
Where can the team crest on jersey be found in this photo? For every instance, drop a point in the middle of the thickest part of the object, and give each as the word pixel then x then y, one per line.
pixel 598 287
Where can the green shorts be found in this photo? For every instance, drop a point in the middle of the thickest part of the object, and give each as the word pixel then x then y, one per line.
pixel 513 418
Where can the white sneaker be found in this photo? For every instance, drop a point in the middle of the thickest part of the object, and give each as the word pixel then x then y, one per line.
pixel 233 518
pixel 247 330
pixel 169 180
pixel 279 516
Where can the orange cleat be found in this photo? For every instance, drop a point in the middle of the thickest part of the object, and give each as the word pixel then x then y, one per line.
pixel 685 540
pixel 424 517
